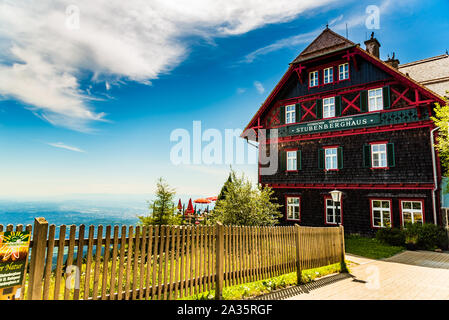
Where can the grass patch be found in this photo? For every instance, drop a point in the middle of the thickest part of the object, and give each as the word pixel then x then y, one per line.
pixel 370 247
pixel 257 288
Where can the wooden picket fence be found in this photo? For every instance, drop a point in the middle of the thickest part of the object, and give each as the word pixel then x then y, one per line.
pixel 167 262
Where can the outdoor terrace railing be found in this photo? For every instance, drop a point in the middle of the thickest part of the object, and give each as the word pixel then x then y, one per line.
pixel 167 262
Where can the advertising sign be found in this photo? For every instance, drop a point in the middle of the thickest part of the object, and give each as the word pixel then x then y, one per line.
pixel 13 256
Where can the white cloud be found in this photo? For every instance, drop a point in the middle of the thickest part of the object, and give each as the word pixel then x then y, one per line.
pixel 337 24
pixel 64 146
pixel 43 62
pixel 259 87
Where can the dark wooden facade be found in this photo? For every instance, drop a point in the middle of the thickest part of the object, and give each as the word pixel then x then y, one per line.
pixel 403 124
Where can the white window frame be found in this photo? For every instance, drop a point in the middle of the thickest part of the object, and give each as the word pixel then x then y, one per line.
pixel 290 114
pixel 383 212
pixel 334 206
pixel 328 75
pixel 329 107
pixel 382 162
pixel 331 158
pixel 375 102
pixel 292 160
pixel 313 79
pixel 412 211
pixel 343 71
pixel 291 208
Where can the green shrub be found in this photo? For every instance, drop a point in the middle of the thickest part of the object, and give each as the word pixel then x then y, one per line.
pixel 426 236
pixel 391 236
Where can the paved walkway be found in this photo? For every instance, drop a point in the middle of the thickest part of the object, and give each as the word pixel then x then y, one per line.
pixel 408 275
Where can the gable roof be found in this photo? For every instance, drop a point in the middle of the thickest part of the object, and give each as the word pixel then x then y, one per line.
pixel 328 41
pixel 323 51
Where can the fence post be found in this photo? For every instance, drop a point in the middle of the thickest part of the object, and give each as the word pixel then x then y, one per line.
pixel 37 259
pixel 298 255
pixel 219 261
pixel 342 237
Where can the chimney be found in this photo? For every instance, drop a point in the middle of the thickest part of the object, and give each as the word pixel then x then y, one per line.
pixel 372 45
pixel 393 61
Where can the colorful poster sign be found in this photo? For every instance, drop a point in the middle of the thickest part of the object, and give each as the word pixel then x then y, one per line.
pixel 13 256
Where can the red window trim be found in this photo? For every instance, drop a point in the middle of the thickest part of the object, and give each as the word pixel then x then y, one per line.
pixel 367 95
pixel 401 222
pixel 325 211
pixel 333 74
pixel 285 113
pixel 286 208
pixel 339 91
pixel 371 154
pixel 318 75
pixel 286 159
pixel 349 71
pixel 371 211
pixel 322 105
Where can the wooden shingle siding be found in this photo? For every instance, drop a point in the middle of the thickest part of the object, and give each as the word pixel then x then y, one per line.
pixel 412 160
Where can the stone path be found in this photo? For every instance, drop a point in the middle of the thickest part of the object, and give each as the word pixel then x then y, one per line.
pixel 408 275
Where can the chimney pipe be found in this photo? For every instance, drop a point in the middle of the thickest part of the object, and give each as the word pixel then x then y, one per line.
pixel 372 45
pixel 393 61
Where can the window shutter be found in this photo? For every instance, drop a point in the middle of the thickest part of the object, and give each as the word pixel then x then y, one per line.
pixel 282 114
pixel 390 155
pixel 298 160
pixel 338 106
pixel 283 160
pixel 298 112
pixel 320 158
pixel 340 157
pixel 319 108
pixel 363 101
pixel 386 97
pixel 367 156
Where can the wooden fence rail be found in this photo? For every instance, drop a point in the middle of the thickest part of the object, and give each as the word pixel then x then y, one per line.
pixel 166 262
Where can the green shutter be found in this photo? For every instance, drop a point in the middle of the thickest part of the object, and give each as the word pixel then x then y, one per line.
pixel 282 160
pixel 320 158
pixel 386 97
pixel 390 155
pixel 298 160
pixel 282 115
pixel 298 112
pixel 340 157
pixel 367 156
pixel 338 106
pixel 319 108
pixel 363 101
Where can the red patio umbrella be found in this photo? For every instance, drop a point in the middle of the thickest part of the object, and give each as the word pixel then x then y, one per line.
pixel 189 207
pixel 212 198
pixel 202 200
pixel 179 205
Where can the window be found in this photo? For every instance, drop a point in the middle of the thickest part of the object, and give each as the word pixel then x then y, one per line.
pixel 332 211
pixel 291 160
pixel 313 79
pixel 292 208
pixel 329 107
pixel 328 75
pixel 343 71
pixel 379 155
pixel 412 211
pixel 290 114
pixel 381 213
pixel 330 158
pixel 375 100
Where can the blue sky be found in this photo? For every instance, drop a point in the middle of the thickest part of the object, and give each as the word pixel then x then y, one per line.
pixel 88 108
